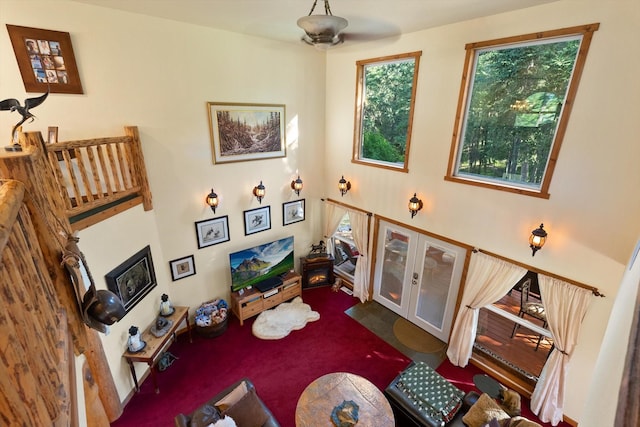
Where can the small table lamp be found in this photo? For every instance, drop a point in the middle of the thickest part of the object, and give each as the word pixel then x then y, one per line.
pixel 135 342
pixel 166 309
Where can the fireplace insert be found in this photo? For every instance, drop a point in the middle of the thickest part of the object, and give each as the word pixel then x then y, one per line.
pixel 317 271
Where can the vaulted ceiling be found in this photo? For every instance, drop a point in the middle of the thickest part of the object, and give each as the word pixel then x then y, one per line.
pixel 276 19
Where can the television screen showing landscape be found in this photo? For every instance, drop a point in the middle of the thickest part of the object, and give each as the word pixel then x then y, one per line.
pixel 253 265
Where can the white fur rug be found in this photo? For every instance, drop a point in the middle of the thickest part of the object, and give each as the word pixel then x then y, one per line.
pixel 280 321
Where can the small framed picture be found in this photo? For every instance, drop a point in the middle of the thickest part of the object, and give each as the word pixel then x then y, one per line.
pixel 256 220
pixel 292 212
pixel 212 231
pixel 52 135
pixel 182 267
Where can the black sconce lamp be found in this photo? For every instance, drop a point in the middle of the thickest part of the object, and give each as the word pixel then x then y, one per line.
pixel 259 191
pixel 537 239
pixel 343 186
pixel 212 200
pixel 415 205
pixel 296 185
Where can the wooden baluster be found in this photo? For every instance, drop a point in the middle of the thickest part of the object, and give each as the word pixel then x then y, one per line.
pixel 139 168
pixel 80 159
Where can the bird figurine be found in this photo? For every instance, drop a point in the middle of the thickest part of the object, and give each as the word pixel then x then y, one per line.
pixel 13 104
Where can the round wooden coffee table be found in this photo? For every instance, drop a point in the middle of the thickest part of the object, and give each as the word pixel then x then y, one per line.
pixel 320 397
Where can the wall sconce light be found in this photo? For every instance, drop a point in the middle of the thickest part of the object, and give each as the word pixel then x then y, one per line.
pixel 343 186
pixel 415 205
pixel 537 239
pixel 296 185
pixel 212 200
pixel 259 191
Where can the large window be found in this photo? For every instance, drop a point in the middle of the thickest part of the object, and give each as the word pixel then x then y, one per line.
pixel 514 107
pixel 509 334
pixel 386 89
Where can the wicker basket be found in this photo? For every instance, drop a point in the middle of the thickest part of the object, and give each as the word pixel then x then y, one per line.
pixel 213 330
pixel 209 312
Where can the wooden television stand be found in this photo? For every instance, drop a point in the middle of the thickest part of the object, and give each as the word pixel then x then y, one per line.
pixel 253 302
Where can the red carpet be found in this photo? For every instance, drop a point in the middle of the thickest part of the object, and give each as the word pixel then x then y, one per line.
pixel 280 369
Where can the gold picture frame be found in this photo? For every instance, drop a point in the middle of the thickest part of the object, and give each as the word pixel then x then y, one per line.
pixel 45 59
pixel 241 132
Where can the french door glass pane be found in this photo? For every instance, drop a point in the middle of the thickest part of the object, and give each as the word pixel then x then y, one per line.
pixel 394 266
pixel 437 272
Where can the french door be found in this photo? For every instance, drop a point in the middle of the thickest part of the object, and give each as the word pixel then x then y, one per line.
pixel 418 276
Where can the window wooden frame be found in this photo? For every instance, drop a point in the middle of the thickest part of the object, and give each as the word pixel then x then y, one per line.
pixel 360 97
pixel 586 31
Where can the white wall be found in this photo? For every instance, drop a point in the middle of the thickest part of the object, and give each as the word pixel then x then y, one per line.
pixel 611 362
pixel 592 214
pixel 159 75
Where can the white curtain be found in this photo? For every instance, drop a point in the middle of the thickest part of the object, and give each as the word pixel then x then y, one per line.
pixel 360 233
pixel 333 216
pixel 565 306
pixel 489 279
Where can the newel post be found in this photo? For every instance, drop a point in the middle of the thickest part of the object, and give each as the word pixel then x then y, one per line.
pixel 46 208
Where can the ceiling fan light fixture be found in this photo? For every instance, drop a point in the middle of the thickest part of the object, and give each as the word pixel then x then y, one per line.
pixel 322 31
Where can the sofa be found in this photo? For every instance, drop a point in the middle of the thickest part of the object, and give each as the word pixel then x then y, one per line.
pixel 238 402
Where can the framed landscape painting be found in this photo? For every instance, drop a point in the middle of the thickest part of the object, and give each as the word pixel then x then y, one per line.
pixel 241 132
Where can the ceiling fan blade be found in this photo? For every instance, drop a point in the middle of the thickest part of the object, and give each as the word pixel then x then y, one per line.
pixel 365 36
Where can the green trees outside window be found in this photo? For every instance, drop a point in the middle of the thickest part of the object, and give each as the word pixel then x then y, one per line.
pixel 384 110
pixel 518 98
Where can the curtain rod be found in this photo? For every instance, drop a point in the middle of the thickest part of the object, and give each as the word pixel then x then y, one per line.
pixel 344 205
pixel 593 290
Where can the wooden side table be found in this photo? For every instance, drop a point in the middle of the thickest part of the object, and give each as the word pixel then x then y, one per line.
pixel 320 397
pixel 155 345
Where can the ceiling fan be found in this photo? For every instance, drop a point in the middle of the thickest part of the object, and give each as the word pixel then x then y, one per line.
pixel 322 31
pixel 325 31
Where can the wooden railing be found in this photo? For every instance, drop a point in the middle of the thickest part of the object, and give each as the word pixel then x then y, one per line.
pixel 100 177
pixel 36 362
pixel 41 324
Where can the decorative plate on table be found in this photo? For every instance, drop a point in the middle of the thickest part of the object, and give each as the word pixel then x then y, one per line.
pixel 345 414
pixel 173 310
pixel 144 345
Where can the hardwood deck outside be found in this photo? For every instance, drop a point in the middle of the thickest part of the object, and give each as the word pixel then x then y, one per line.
pixel 494 336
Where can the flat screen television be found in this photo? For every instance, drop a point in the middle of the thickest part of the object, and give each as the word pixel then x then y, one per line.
pixel 251 266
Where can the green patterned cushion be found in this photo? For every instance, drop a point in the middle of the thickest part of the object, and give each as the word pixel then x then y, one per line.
pixel 431 394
